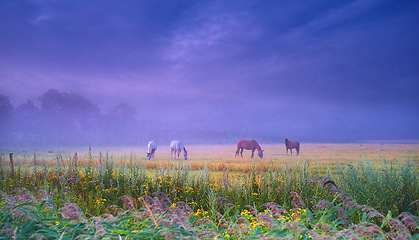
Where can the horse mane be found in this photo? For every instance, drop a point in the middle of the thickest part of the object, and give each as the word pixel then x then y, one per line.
pixel 257 146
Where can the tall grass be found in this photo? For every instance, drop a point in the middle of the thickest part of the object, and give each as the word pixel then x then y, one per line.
pixel 24 216
pixel 385 186
pixel 370 195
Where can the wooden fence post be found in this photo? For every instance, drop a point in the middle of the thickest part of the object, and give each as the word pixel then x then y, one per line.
pixel 11 164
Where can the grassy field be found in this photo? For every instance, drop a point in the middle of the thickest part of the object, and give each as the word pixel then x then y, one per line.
pixel 329 186
pixel 224 155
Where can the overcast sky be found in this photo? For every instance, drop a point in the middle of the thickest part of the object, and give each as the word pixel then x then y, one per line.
pixel 305 70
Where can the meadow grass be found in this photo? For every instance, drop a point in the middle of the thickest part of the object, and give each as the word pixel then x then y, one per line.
pixel 331 185
pixel 218 155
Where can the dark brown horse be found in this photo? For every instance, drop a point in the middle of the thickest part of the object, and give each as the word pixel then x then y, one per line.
pixel 249 145
pixel 290 145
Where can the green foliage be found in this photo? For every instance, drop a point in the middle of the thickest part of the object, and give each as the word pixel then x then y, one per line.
pixel 24 217
pixel 216 202
pixel 385 186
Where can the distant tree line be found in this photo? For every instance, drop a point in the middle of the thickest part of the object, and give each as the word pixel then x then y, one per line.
pixel 61 118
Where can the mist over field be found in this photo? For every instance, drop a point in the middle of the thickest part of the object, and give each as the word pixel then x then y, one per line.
pixel 70 119
pixel 79 73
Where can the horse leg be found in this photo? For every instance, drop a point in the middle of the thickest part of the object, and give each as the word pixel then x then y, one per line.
pixel 287 150
pixel 253 153
pixel 298 150
pixel 241 152
pixel 291 151
pixel 171 153
pixel 237 152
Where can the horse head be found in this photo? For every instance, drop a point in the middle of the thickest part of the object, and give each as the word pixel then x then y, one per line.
pixel 260 154
pixel 148 156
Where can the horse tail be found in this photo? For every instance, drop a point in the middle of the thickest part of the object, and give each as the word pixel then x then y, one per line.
pixel 298 148
pixel 238 148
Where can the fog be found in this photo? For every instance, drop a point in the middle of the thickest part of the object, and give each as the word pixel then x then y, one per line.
pixel 108 73
pixel 69 119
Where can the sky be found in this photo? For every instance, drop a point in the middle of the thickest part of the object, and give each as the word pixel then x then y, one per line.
pixel 314 71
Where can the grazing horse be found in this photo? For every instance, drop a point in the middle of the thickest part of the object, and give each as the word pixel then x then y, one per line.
pixel 249 145
pixel 176 147
pixel 151 149
pixel 290 145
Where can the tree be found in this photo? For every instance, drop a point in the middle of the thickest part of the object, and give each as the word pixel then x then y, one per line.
pixel 6 112
pixel 53 100
pixel 67 118
pixel 6 107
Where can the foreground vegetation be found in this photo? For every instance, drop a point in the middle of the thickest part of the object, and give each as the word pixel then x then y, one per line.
pixel 99 199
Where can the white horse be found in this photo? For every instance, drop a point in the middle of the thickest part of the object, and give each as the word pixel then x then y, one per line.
pixel 176 147
pixel 152 147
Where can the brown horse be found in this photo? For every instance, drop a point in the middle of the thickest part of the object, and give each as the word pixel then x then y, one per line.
pixel 249 145
pixel 290 145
